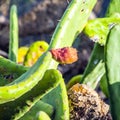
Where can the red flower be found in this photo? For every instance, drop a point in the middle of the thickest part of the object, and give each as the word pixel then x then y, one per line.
pixel 66 55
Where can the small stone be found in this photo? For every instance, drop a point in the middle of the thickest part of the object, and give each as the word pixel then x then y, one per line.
pixel 85 104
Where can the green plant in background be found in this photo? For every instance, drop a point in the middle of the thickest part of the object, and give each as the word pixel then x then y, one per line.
pixel 13 46
pixel 113 7
pixel 28 55
pixel 34 52
pixel 28 91
pixel 21 54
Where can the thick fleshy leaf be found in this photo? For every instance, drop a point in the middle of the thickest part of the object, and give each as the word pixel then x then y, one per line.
pixel 19 106
pixel 112 65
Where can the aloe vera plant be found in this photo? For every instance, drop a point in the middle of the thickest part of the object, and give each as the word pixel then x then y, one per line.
pixel 29 90
pixel 33 77
pixel 62 28
pixel 27 84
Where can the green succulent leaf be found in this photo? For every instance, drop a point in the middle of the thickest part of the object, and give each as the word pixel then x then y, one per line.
pixel 15 109
pixel 112 66
pixel 9 71
pixel 73 81
pixel 39 106
pixel 42 116
pixel 26 81
pixel 59 100
pixel 104 85
pixel 98 29
pixel 35 50
pixel 95 67
pixel 13 46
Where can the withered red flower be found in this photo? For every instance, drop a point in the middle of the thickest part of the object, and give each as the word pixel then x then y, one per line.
pixel 66 55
